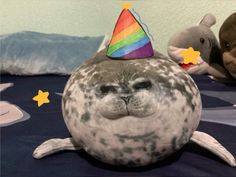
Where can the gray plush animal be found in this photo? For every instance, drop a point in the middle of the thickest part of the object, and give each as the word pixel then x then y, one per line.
pixel 131 112
pixel 202 39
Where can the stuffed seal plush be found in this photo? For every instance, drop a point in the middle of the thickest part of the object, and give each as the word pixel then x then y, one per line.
pixel 131 106
pixel 131 112
pixel 227 35
pixel 202 39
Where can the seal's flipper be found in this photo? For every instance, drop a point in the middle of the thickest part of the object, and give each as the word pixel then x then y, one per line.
pixel 54 145
pixel 211 144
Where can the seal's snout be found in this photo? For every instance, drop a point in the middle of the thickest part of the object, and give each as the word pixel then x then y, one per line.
pixel 126 99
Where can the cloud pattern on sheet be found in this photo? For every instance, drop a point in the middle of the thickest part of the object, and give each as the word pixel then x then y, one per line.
pixel 10 113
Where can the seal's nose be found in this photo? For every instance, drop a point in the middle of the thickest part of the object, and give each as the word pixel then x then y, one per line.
pixel 126 99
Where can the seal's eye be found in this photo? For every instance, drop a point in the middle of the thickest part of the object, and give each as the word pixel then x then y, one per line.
pixel 142 85
pixel 202 40
pixel 105 89
pixel 227 45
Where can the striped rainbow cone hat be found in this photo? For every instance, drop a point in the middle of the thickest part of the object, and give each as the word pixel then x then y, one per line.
pixel 129 40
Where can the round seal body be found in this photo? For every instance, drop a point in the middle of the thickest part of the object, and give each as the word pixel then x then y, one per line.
pixel 131 112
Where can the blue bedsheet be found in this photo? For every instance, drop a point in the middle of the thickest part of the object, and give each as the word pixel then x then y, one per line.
pixel 19 140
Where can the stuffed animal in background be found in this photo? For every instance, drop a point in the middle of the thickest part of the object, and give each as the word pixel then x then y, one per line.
pixel 201 39
pixel 227 36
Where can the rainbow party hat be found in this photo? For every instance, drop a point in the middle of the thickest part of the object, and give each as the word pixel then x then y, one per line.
pixel 129 40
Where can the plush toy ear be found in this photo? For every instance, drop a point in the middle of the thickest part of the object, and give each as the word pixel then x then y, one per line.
pixel 207 20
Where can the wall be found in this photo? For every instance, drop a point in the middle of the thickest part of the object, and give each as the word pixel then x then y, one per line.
pixel 96 17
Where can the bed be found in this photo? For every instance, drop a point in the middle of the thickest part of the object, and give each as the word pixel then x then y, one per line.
pixel 20 139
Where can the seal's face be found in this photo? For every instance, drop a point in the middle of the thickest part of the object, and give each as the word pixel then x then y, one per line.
pixel 136 98
pixel 131 112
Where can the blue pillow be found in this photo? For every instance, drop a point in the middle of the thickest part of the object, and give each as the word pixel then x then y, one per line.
pixel 30 53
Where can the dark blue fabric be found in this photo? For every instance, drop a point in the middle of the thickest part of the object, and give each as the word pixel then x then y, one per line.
pixel 19 140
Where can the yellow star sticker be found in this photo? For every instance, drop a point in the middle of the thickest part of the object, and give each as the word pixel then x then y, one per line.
pixel 190 56
pixel 126 5
pixel 41 98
